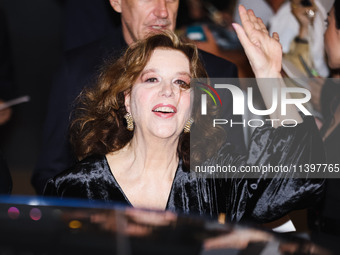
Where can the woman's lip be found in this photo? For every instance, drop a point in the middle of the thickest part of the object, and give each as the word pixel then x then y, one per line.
pixel 165 105
pixel 164 115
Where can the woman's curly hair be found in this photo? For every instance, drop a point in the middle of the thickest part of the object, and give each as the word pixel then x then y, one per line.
pixel 98 125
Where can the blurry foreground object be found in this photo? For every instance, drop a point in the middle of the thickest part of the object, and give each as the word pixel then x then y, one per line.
pixel 31 225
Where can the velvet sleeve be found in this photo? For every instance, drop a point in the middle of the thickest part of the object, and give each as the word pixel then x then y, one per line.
pixel 50 189
pixel 263 199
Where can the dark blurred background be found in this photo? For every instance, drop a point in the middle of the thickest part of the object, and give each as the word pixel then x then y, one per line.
pixel 33 37
pixel 31 40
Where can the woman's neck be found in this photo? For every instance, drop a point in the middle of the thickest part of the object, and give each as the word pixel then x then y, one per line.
pixel 145 170
pixel 149 156
pixel 155 152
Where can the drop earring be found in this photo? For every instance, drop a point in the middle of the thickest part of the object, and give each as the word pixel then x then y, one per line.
pixel 129 121
pixel 188 125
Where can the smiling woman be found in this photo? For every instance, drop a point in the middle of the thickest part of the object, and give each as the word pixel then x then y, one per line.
pixel 152 83
pixel 131 130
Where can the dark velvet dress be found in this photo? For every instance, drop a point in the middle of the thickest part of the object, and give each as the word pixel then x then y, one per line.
pixel 259 199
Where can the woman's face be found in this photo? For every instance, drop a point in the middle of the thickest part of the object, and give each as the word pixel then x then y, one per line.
pixel 332 41
pixel 160 98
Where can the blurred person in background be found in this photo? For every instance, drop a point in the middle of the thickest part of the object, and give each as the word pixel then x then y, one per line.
pixel 86 23
pixel 301 22
pixel 260 7
pixel 6 92
pixel 5 177
pixel 6 72
pixel 326 224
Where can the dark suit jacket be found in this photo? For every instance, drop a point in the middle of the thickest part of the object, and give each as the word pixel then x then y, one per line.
pixel 79 70
pixel 86 22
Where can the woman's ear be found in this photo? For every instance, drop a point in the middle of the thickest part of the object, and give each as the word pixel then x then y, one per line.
pixel 127 96
pixel 116 5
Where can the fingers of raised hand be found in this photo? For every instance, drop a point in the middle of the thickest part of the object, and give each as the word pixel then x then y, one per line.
pixel 248 19
pixel 257 22
pixel 241 34
pixel 253 25
pixel 245 20
pixel 253 19
pixel 276 36
pixel 262 26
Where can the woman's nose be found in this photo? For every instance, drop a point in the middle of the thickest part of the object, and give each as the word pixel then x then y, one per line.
pixel 167 89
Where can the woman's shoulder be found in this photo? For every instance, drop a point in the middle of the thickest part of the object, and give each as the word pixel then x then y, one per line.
pixel 87 171
pixel 86 166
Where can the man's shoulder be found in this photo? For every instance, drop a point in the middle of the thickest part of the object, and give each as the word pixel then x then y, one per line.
pixel 94 52
pixel 206 56
pixel 217 67
pixel 81 65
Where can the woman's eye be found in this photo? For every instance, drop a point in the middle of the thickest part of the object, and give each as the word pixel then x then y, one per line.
pixel 326 22
pixel 151 79
pixel 182 84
